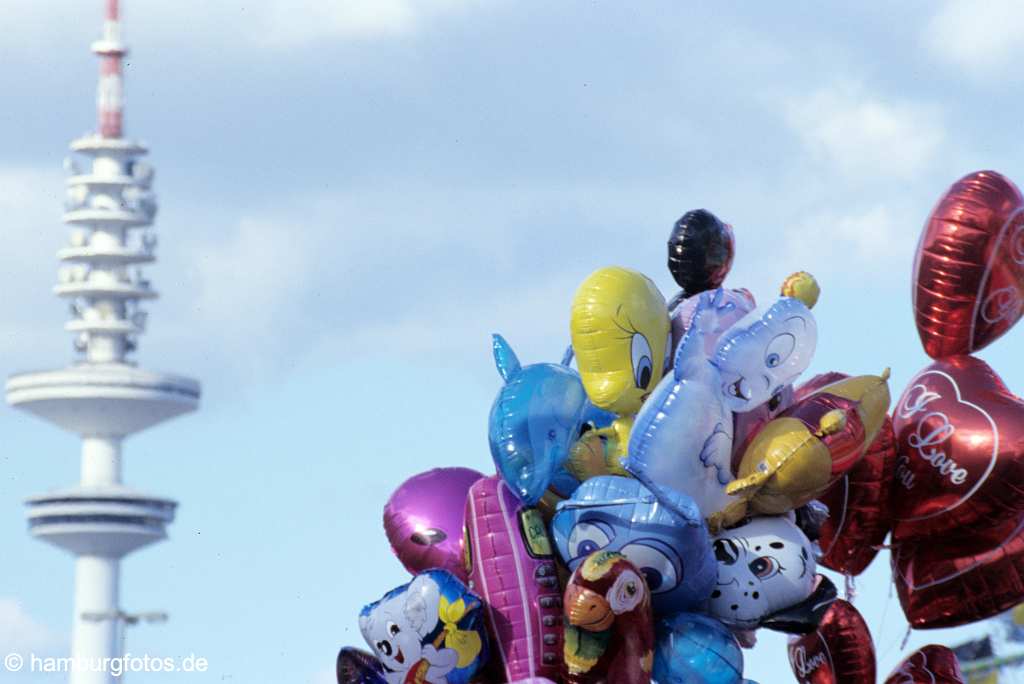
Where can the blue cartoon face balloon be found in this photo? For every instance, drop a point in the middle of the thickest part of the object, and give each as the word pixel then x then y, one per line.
pixel 429 630
pixel 535 419
pixel 696 649
pixel 671 548
pixel 763 352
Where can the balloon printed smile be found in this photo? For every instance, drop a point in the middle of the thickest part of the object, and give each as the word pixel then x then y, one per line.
pixel 739 389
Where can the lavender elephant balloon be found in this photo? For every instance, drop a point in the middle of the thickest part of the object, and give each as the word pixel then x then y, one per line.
pixel 735 304
pixel 683 436
pixel 424 520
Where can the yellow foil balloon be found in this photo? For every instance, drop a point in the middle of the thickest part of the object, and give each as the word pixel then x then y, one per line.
pixel 620 334
pixel 788 463
pixel 803 286
pixel 599 452
pixel 872 394
pixel 785 466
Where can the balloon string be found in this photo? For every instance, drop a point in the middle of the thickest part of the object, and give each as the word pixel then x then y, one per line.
pixel 906 638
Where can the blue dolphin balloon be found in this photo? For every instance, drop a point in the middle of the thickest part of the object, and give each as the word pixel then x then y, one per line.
pixel 534 421
pixel 671 547
pixel 696 649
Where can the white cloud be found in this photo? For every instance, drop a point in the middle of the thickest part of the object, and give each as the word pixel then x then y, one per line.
pixel 30 207
pixel 287 24
pixel 247 282
pixel 21 633
pixel 280 24
pixel 983 38
pixel 863 136
pixel 849 242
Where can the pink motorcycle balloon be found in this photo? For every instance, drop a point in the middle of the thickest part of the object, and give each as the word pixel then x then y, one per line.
pixel 512 568
pixel 424 519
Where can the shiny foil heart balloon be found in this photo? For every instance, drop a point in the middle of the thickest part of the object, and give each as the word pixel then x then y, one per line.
pixel 956 580
pixel 839 652
pixel 960 440
pixel 858 504
pixel 928 665
pixel 969 266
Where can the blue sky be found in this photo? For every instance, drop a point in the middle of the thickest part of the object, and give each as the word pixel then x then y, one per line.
pixel 355 194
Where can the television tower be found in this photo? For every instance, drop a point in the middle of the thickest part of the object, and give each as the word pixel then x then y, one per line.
pixel 103 396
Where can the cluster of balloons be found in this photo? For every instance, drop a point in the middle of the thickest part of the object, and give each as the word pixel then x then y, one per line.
pixel 676 490
pixel 945 478
pixel 957 511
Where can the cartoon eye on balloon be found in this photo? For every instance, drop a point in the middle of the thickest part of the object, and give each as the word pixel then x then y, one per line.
pixel 779 349
pixel 658 563
pixel 643 366
pixel 627 592
pixel 588 537
pixel 765 567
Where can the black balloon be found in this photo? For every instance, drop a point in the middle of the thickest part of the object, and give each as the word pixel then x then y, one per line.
pixel 356 666
pixel 700 251
pixel 804 617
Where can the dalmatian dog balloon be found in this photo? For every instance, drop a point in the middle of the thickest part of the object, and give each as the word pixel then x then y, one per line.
pixel 683 436
pixel 764 567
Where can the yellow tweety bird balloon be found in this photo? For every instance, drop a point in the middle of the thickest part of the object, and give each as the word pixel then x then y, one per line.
pixel 620 335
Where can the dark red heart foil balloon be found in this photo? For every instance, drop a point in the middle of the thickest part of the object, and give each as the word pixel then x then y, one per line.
pixel 840 652
pixel 960 443
pixel 928 665
pixel 955 580
pixel 969 266
pixel 858 504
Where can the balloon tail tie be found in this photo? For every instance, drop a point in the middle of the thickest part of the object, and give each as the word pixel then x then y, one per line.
pixel 851 588
pixel 906 637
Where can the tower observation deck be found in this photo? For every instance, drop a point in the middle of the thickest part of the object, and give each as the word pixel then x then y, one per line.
pixel 103 396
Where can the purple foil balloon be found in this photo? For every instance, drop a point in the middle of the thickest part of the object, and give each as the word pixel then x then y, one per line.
pixel 424 520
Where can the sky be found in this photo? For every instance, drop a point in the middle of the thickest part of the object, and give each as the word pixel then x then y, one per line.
pixel 355 194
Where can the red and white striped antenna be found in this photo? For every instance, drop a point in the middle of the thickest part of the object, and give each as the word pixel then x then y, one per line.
pixel 110 92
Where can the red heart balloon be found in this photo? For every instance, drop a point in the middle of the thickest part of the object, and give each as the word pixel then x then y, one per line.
pixel 958 580
pixel 960 440
pixel 969 266
pixel 928 665
pixel 858 504
pixel 840 652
